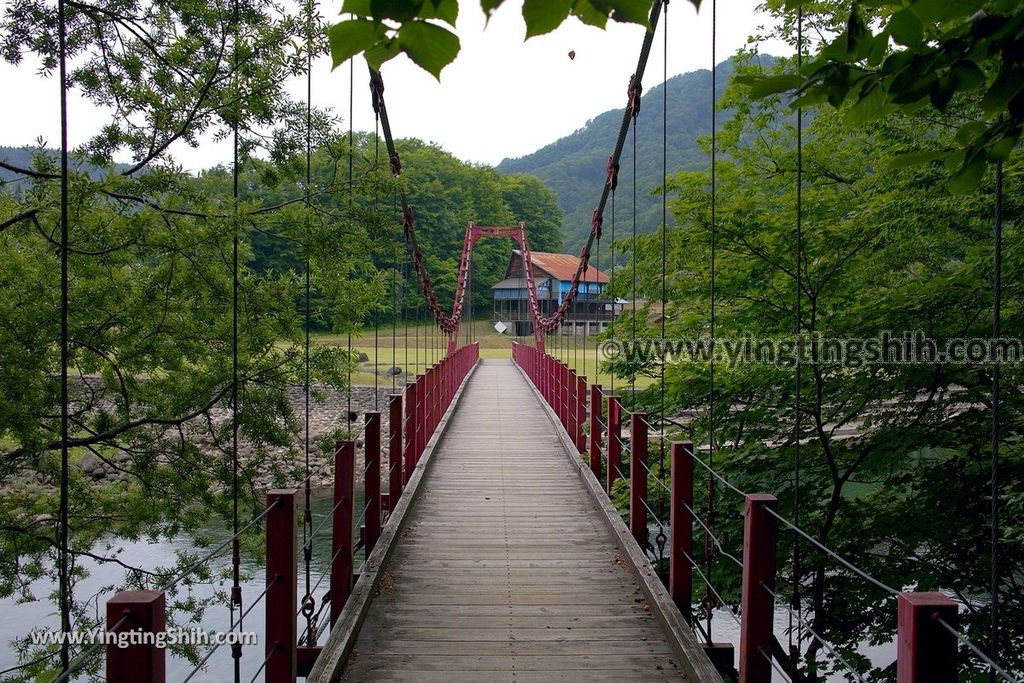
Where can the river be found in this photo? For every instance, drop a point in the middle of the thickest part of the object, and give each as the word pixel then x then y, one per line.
pixel 18 618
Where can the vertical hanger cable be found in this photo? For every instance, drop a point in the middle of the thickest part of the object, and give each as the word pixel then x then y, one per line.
pixel 709 520
pixel 795 601
pixel 64 578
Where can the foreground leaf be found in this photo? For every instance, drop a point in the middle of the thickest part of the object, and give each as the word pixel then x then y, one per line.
pixel 430 46
pixel 544 16
pixel 351 37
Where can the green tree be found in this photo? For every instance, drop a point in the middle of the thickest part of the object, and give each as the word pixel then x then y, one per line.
pixel 151 286
pixel 894 458
pixel 909 55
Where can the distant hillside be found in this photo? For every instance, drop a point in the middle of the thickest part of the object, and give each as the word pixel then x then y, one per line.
pixel 575 166
pixel 22 157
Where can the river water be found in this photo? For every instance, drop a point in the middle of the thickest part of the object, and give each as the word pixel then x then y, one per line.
pixel 20 618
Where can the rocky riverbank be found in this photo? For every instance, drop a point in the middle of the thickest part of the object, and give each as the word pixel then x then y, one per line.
pixel 331 410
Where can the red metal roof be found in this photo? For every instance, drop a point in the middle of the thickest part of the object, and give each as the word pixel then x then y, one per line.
pixel 563 267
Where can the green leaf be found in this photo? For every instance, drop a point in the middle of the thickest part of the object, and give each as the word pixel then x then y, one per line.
pixel 359 7
pixel 906 28
pixel 937 11
pixel 941 92
pixel 954 158
pixel 631 11
pixel 1007 84
pixel 588 14
pixel 430 46
pixel 916 158
pixel 1001 149
pixel 382 52
pixel 967 176
pixel 869 107
pixel 809 99
pixel 771 85
pixel 544 16
pixel 351 37
pixel 969 131
pixel 488 6
pixel 47 676
pixel 967 75
pixel 445 10
pixel 879 48
pixel 399 10
pixel 858 37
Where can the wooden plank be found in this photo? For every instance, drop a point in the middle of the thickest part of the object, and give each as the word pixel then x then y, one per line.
pixel 366 648
pixel 505 663
pixel 504 675
pixel 505 569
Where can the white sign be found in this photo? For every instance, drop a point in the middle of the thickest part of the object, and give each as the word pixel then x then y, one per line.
pixel 500 327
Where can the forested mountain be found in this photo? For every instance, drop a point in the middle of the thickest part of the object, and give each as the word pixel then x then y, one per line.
pixel 575 166
pixel 22 157
pixel 445 193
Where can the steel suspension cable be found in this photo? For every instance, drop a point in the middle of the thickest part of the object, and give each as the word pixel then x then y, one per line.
pixel 407 319
pixel 308 601
pixel 997 300
pixel 376 322
pixel 236 584
pixel 709 519
pixel 611 275
pixel 633 258
pixel 395 302
pixel 795 601
pixel 63 551
pixel 351 189
pixel 664 248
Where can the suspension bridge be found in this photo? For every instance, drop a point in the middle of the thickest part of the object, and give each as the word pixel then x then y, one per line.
pixel 486 469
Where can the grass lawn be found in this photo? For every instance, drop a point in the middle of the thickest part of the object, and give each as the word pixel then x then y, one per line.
pixel 417 346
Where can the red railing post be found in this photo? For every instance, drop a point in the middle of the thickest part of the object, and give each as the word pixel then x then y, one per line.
pixel 282 577
pixel 143 611
pixel 614 441
pixel 680 571
pixel 431 399
pixel 371 481
pixel 570 405
pixel 638 478
pixel 410 431
pixel 925 650
pixel 595 430
pixel 421 415
pixel 543 373
pixel 549 379
pixel 442 379
pixel 581 413
pixel 551 384
pixel 760 530
pixel 566 395
pixel 558 388
pixel 341 526
pixel 439 403
pixel 394 449
pixel 567 392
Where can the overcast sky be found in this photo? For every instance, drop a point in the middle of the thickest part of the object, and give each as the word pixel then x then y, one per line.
pixel 502 97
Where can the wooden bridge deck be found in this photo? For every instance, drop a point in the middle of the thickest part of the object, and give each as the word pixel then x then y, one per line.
pixel 505 570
